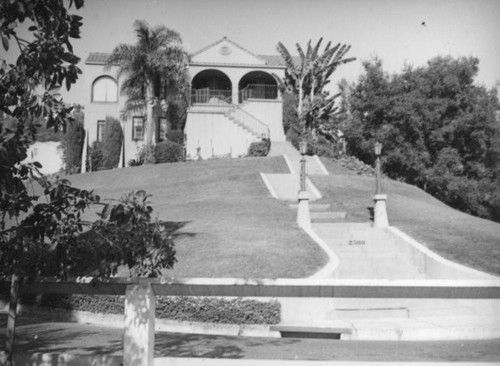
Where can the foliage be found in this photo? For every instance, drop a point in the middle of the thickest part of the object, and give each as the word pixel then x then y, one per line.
pixel 260 148
pixel 438 130
pixel 72 143
pixel 145 155
pixel 144 244
pixel 307 80
pixel 168 152
pixel 112 143
pixel 177 111
pixel 219 310
pixel 152 66
pixel 176 136
pixel 96 153
pixel 200 309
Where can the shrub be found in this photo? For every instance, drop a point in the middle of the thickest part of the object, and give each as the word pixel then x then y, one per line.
pixel 176 136
pixel 168 152
pixel 146 155
pixel 72 144
pixel 260 148
pixel 199 309
pixel 112 144
pixel 96 157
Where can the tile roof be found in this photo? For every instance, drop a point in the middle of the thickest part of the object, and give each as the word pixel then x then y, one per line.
pixel 97 58
pixel 100 58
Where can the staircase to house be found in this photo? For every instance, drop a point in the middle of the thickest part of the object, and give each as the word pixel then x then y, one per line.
pixel 220 130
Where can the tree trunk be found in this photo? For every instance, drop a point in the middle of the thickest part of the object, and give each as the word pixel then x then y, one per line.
pixel 11 321
pixel 301 103
pixel 150 125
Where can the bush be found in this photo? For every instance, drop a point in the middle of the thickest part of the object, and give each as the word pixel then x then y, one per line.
pixel 146 155
pixel 168 152
pixel 112 144
pixel 72 144
pixel 202 309
pixel 96 157
pixel 260 148
pixel 176 136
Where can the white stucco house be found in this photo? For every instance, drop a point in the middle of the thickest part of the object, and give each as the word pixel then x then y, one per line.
pixel 235 100
pixel 48 154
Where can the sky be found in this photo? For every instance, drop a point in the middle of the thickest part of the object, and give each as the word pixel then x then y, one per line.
pixel 399 32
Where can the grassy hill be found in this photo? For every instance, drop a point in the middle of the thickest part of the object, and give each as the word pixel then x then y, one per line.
pixel 462 238
pixel 226 224
pixel 223 219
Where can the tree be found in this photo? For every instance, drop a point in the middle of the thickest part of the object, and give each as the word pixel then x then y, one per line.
pixel 438 129
pixel 72 143
pixel 41 228
pixel 112 143
pixel 150 67
pixel 308 79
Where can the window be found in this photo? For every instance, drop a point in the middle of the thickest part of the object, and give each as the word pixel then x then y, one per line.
pixel 105 90
pixel 138 128
pixel 101 125
pixel 162 128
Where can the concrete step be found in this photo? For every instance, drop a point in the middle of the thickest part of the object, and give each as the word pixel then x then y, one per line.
pixel 313 207
pixel 327 216
pixel 370 313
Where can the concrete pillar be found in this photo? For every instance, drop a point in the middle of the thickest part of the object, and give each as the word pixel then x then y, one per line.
pixel 139 334
pixel 303 214
pixel 380 218
pixel 235 90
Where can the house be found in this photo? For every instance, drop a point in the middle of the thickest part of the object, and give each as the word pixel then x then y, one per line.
pixel 234 101
pixel 48 154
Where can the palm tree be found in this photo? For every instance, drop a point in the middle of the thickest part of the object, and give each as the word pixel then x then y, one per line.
pixel 154 64
pixel 308 79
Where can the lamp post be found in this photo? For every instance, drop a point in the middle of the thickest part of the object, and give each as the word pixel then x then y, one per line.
pixel 378 152
pixel 380 218
pixel 303 215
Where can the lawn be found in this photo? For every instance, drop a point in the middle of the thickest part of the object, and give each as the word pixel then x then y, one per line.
pixel 455 235
pixel 223 219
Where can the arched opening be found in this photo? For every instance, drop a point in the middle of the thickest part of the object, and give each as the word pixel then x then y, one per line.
pixel 105 90
pixel 257 85
pixel 211 87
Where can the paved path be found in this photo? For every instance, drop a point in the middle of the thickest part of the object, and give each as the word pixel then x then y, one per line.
pixel 35 336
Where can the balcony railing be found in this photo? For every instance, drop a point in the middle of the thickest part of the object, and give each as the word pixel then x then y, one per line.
pixel 258 91
pixel 210 96
pixel 221 97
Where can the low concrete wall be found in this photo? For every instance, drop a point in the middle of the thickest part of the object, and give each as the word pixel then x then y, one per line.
pixel 432 264
pixel 63 359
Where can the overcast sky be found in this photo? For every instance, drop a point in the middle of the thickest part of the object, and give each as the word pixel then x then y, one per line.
pixel 397 31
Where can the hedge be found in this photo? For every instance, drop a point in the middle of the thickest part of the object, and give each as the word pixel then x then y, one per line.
pixel 168 152
pixel 199 309
pixel 260 148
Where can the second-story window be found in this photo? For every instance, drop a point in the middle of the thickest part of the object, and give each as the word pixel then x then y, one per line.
pixel 105 90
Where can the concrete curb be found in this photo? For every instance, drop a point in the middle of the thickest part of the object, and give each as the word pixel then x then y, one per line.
pixel 161 325
pixel 289 163
pixel 320 164
pixel 333 260
pixel 434 256
pixel 269 186
pixel 59 359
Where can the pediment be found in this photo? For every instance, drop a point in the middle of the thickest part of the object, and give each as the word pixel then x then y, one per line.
pixel 226 52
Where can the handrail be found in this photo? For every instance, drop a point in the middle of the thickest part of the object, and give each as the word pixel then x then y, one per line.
pixel 250 121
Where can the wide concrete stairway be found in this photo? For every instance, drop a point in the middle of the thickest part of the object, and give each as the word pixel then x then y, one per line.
pixel 362 254
pixel 366 252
